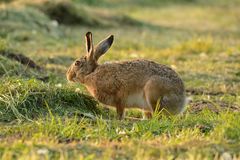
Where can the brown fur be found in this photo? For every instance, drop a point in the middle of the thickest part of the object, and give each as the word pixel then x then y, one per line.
pixel 126 84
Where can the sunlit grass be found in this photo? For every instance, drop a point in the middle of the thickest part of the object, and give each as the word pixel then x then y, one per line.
pixel 188 135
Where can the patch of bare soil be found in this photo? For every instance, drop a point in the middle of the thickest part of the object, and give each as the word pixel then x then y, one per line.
pixel 20 58
pixel 191 91
pixel 198 106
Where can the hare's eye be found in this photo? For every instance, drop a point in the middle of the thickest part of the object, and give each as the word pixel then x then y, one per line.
pixel 77 63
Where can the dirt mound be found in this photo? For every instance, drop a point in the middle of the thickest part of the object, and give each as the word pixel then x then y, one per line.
pixel 66 13
pixel 201 92
pixel 69 13
pixel 20 58
pixel 17 64
pixel 216 107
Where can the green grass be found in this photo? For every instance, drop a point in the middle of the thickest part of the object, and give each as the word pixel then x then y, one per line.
pixel 42 116
pixel 189 136
pixel 28 99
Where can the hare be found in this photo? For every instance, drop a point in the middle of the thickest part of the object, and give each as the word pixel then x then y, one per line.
pixel 127 84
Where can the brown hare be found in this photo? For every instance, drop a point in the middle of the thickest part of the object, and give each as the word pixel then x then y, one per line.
pixel 127 84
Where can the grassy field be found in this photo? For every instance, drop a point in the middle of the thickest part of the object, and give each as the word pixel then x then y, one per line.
pixel 42 116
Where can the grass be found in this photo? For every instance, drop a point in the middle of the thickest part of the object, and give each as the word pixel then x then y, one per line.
pixel 44 117
pixel 27 99
pixel 198 136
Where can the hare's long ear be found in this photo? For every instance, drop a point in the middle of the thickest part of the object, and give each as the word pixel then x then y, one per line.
pixel 89 45
pixel 102 47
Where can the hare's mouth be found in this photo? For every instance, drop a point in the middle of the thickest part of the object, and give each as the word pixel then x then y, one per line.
pixel 74 79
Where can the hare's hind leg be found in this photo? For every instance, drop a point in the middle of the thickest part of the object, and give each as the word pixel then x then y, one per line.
pixel 158 88
pixel 153 91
